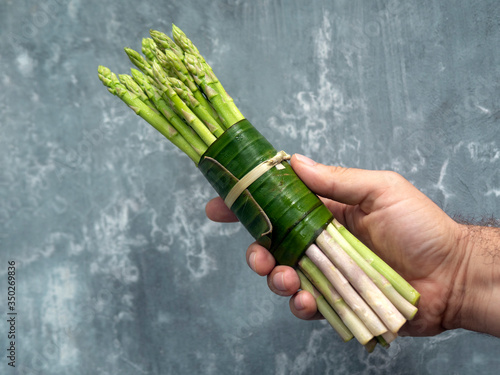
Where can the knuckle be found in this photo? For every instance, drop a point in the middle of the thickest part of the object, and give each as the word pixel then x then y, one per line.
pixel 392 178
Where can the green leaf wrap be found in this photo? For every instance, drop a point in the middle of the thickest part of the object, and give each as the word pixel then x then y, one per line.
pixel 277 209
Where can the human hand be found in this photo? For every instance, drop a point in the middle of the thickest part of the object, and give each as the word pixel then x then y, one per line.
pixel 398 222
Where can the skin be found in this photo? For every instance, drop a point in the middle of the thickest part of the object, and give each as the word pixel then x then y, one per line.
pixel 455 267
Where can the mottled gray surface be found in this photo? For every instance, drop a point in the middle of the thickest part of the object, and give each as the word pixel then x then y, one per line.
pixel 119 271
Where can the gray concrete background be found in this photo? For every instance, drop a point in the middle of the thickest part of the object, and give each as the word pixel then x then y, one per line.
pixel 118 269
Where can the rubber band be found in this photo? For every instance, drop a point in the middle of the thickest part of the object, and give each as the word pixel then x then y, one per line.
pixel 253 175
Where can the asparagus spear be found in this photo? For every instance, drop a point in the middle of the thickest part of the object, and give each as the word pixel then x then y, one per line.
pixel 148 47
pixel 134 88
pixel 192 56
pixel 400 284
pixel 187 96
pixel 171 60
pixel 203 75
pixel 348 316
pixel 165 43
pixel 325 309
pixel 139 61
pixel 152 116
pixel 225 108
pixel 405 307
pixel 385 310
pixel 166 110
pixel 340 283
pixel 190 49
pixel 187 114
pixel 185 43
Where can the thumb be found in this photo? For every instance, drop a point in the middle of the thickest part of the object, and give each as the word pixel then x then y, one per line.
pixel 345 185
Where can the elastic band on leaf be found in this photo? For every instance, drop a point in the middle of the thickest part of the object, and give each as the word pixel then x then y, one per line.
pixel 253 175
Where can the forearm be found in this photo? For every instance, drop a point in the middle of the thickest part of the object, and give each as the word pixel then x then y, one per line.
pixel 474 302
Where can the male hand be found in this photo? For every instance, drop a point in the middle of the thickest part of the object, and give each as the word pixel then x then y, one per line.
pixel 399 223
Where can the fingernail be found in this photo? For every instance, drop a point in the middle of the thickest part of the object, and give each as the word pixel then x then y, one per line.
pixel 279 281
pixel 305 160
pixel 251 261
pixel 299 304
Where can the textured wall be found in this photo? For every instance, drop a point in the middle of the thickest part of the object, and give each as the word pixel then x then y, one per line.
pixel 119 271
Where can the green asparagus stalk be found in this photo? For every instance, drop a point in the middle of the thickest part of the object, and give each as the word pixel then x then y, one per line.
pixel 148 47
pixel 186 44
pixel 134 88
pixel 325 309
pixel 171 60
pixel 187 114
pixel 386 311
pixel 340 283
pixel 152 116
pixel 224 107
pixel 139 61
pixel 405 307
pixel 400 284
pixel 187 96
pixel 164 42
pixel 166 110
pixel 188 53
pixel 207 79
pixel 160 58
pixel 190 49
pixel 348 316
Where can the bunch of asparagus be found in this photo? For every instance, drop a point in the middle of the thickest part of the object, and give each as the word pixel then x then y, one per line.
pixel 177 92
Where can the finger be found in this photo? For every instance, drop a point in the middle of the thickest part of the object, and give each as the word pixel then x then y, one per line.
pixel 283 280
pixel 336 208
pixel 346 185
pixel 217 210
pixel 303 306
pixel 260 260
pixel 349 216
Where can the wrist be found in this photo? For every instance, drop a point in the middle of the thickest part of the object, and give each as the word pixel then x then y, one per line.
pixel 474 299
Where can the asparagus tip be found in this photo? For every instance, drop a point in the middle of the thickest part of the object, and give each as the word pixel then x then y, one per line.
pixel 135 72
pixel 105 75
pixel 176 30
